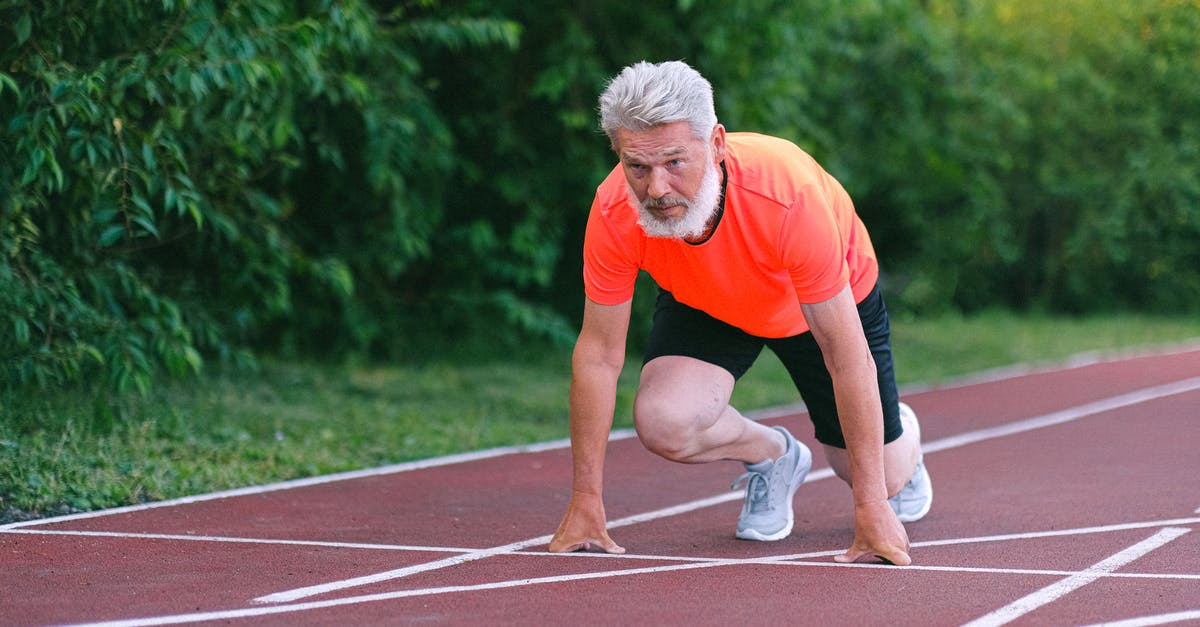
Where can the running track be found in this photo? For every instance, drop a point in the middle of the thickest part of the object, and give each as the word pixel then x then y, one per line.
pixel 1063 496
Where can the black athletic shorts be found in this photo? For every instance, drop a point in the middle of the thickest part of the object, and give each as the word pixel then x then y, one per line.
pixel 682 330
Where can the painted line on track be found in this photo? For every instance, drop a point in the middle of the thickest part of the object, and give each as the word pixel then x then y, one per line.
pixel 303 483
pixel 1102 570
pixel 1160 619
pixel 1067 415
pixel 234 540
pixel 1057 590
pixel 1021 426
pixel 333 586
pixel 1028 535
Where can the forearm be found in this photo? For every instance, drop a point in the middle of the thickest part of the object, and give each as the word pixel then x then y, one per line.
pixel 856 389
pixel 592 403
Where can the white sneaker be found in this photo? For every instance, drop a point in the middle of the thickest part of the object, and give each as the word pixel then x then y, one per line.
pixel 915 498
pixel 767 511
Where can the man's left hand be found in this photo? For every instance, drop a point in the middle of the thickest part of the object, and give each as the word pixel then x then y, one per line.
pixel 878 533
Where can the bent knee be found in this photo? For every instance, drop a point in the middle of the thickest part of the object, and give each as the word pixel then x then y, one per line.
pixel 664 431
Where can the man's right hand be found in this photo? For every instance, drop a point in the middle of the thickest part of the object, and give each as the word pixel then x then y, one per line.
pixel 583 527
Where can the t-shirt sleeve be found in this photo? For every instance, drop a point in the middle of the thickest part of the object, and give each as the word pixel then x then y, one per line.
pixel 609 270
pixel 813 249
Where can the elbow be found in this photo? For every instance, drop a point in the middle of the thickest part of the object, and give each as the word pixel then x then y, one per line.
pixel 854 363
pixel 590 356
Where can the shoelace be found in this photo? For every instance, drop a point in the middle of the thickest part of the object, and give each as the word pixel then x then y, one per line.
pixel 757 487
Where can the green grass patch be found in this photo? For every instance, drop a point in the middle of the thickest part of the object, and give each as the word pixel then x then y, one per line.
pixel 74 450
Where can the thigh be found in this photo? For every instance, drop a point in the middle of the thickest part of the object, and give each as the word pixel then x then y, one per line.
pixel 683 331
pixel 681 393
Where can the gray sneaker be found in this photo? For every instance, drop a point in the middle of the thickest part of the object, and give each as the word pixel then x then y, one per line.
pixel 915 498
pixel 767 510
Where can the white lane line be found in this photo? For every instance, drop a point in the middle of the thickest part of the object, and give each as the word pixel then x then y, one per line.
pixel 1056 418
pixel 1028 535
pixel 1073 362
pixel 1160 619
pixel 988 570
pixel 1051 593
pixel 1067 415
pixel 312 481
pixel 1062 532
pixel 308 591
pixel 400 594
pixel 333 586
pixel 233 540
pixel 266 610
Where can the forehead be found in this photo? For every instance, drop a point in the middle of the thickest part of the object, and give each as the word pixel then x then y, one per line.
pixel 665 140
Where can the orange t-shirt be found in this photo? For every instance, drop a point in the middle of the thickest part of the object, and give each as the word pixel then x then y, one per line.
pixel 789 235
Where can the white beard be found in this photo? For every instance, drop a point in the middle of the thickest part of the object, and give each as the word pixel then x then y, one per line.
pixel 699 210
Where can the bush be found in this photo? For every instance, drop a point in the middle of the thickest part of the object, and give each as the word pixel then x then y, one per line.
pixel 193 178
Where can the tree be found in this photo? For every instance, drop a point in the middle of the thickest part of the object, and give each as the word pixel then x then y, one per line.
pixel 177 175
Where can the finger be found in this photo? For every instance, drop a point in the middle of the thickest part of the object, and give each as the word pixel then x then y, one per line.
pixel 606 544
pixel 851 555
pixel 566 545
pixel 855 553
pixel 897 557
pixel 613 547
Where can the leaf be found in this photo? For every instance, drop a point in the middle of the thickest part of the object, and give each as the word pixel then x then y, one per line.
pixel 5 79
pixel 24 27
pixel 196 214
pixel 104 216
pixel 30 174
pixel 57 171
pixel 147 225
pixel 21 330
pixel 192 356
pixel 111 235
pixel 148 157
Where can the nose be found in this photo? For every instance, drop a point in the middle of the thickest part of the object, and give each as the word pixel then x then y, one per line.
pixel 659 184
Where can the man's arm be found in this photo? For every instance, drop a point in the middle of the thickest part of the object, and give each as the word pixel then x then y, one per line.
pixel 838 330
pixel 595 366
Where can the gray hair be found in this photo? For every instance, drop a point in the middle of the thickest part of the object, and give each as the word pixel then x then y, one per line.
pixel 645 95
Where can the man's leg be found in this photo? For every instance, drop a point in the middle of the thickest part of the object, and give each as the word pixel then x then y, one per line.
pixel 900 456
pixel 803 359
pixel 682 413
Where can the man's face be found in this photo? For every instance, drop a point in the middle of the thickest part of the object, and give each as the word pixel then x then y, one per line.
pixel 673 176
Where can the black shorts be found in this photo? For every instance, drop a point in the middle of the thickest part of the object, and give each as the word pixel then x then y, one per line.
pixel 682 330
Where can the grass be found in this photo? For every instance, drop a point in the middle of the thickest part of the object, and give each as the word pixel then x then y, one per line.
pixel 73 451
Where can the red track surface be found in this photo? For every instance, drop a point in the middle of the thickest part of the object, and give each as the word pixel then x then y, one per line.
pixel 1062 497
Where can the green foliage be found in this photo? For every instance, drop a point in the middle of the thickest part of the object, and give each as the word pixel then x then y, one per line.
pixel 197 177
pixel 193 180
pixel 1085 163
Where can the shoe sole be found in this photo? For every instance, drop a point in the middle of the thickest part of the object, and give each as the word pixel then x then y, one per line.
pixel 804 467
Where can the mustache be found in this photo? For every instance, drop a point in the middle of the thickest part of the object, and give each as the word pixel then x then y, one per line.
pixel 664 202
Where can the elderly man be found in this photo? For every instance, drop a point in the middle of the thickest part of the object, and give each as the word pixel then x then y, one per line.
pixel 751 243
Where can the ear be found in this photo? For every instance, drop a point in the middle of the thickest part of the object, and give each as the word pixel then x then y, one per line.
pixel 718 143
